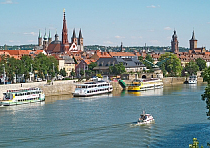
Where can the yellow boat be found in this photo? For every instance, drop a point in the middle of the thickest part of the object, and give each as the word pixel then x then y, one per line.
pixel 144 84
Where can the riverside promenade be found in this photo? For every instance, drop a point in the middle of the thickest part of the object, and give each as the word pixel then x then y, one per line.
pixel 66 87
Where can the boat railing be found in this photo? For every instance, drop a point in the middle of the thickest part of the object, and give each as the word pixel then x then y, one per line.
pixel 24 90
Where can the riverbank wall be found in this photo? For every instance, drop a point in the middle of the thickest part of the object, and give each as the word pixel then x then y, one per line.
pixel 68 86
pixel 57 88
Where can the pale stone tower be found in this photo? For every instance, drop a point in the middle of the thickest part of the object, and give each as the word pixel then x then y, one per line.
pixel 80 41
pixel 193 42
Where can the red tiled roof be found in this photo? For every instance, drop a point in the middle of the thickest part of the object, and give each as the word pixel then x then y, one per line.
pixel 122 54
pixel 103 54
pixel 54 48
pixel 88 61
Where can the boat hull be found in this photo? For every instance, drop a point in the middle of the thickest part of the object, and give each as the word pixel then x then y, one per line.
pixel 146 122
pixel 143 88
pixel 11 103
pixel 88 95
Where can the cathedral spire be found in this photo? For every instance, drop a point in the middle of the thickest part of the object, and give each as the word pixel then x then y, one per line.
pixel 80 34
pixel 74 34
pixel 65 42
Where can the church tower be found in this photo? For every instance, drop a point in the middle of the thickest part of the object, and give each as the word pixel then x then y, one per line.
pixel 39 39
pixel 74 38
pixel 121 48
pixel 80 41
pixel 174 43
pixel 45 44
pixel 193 42
pixel 65 42
pixel 49 38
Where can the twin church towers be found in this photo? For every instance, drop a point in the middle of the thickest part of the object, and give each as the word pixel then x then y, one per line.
pixel 174 43
pixel 64 45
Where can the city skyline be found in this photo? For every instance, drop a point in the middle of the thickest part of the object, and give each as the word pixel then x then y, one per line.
pixel 108 23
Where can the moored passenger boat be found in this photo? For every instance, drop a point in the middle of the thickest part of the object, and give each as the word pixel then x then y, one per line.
pixel 192 79
pixel 22 96
pixel 92 88
pixel 145 84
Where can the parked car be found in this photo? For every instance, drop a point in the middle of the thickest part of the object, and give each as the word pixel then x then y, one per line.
pixel 39 79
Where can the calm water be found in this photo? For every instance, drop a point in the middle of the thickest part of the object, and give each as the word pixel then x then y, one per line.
pixel 109 121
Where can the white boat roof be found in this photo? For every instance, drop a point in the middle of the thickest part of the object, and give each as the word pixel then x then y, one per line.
pixel 92 83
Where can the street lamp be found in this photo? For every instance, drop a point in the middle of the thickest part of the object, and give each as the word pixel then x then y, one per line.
pixel 4 73
pixel 84 70
pixel 31 68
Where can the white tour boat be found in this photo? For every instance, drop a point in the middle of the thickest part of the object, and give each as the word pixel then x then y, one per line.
pixel 92 88
pixel 192 79
pixel 145 119
pixel 22 96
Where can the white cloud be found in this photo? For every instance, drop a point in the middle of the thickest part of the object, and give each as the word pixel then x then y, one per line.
pixel 136 37
pixel 11 41
pixel 208 22
pixel 8 2
pixel 119 37
pixel 153 6
pixel 31 41
pixel 167 28
pixel 31 33
pixel 108 43
pixel 154 42
pixel 151 30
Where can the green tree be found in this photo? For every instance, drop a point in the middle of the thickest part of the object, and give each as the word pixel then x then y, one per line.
pixel 191 68
pixel 206 95
pixel 82 72
pixel 149 58
pixel 201 63
pixel 90 70
pixel 172 65
pixel 63 72
pixel 117 69
pixel 73 73
pixel 140 58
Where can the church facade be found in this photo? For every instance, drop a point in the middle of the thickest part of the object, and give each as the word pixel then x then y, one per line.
pixel 63 46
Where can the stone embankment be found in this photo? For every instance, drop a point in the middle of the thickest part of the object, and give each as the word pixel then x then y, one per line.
pixel 57 88
pixel 68 86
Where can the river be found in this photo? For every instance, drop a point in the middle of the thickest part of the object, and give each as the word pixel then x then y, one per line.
pixel 109 120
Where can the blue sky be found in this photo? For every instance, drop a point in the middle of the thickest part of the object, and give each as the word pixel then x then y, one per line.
pixel 107 22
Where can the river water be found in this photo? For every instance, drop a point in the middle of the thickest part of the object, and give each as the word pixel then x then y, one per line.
pixel 109 120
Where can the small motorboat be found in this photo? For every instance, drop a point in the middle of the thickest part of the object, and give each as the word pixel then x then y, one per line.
pixel 145 119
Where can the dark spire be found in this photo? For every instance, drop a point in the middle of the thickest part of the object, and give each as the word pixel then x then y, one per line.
pixel 64 30
pixel 74 34
pixel 174 35
pixel 49 35
pixel 80 34
pixel 45 35
pixel 64 20
pixel 39 34
pixel 193 36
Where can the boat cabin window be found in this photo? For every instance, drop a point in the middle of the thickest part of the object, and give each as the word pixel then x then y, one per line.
pixel 83 86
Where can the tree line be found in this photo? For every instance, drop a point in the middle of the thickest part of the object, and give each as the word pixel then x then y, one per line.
pixel 41 66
